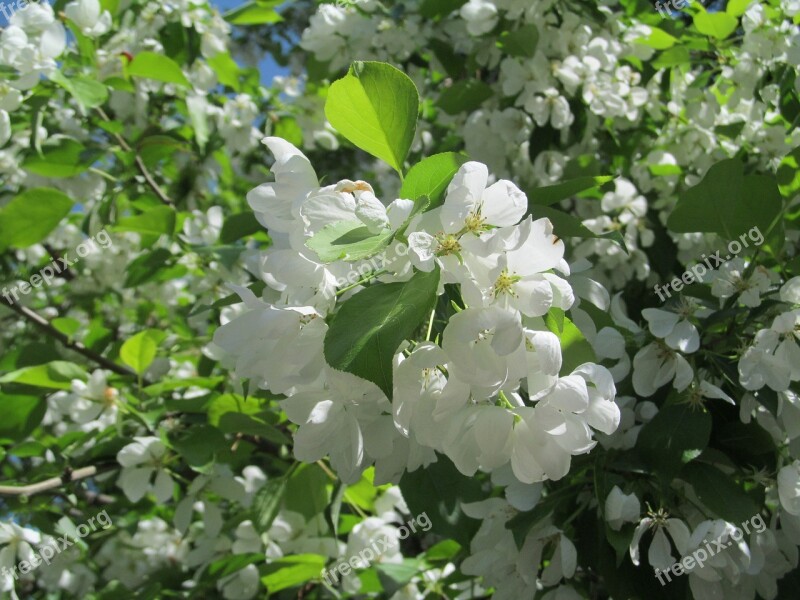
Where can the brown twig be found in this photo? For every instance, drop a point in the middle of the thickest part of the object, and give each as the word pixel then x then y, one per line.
pixel 42 323
pixel 139 164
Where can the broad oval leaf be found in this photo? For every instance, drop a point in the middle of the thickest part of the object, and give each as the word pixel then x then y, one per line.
pixel 151 65
pixel 31 216
pixel 431 176
pixel 375 107
pixel 139 351
pixel 369 327
pixel 718 25
pixel 347 240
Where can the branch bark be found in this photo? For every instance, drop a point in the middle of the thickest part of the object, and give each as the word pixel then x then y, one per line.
pixel 48 484
pixel 42 323
pixel 139 164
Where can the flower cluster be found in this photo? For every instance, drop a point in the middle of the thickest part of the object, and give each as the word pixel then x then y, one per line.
pixel 490 394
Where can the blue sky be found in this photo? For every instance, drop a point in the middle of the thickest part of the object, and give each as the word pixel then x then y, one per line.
pixel 267 66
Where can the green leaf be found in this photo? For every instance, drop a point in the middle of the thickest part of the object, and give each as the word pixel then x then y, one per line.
pixel 677 55
pixel 521 42
pixel 658 39
pixel 369 327
pixel 151 65
pixel 432 9
pixel 307 492
pixel 254 13
pixel 146 267
pixel 545 196
pixel 21 415
pixel 198 115
pixel 156 221
pixel 789 174
pixel 66 325
pixel 347 240
pixel 675 433
pixel 375 107
pixel 57 375
pixel 139 352
pixel 267 503
pixel 90 93
pixel 207 383
pixel 155 148
pixel 718 25
pixel 716 490
pixel 727 202
pixel 575 349
pixel 431 176
pixel 438 490
pixel 464 96
pixel 31 216
pixel 292 571
pixel 736 8
pixel 201 445
pixel 565 225
pixel 226 69
pixel 395 576
pixel 65 159
pixel 239 226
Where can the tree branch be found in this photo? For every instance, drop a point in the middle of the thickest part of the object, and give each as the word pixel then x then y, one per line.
pixel 48 484
pixel 139 164
pixel 42 323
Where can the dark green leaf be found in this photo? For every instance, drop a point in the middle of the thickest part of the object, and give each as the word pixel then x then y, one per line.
pixel 369 327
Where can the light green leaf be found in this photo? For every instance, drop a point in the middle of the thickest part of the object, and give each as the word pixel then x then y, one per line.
pixel 90 93
pixel 718 25
pixel 31 216
pixel 464 96
pixel 375 107
pixel 677 55
pixel 789 174
pixel 347 240
pixel 521 42
pixel 226 69
pixel 369 327
pixel 139 351
pixel 156 221
pixel 67 158
pixel 545 196
pixel 431 176
pixel 254 13
pixel 292 571
pixel 658 39
pixel 575 349
pixel 151 65
pixel 57 375
pixel 736 8
pixel 66 325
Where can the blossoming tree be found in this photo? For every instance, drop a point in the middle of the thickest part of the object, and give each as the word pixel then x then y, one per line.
pixel 485 298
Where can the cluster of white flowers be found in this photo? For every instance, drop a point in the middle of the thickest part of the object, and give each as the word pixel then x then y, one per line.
pixel 490 395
